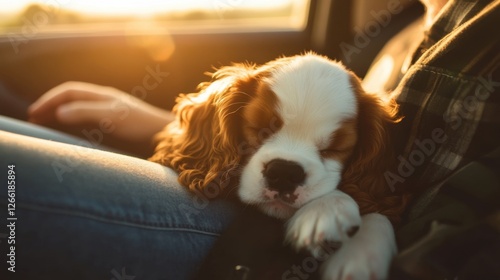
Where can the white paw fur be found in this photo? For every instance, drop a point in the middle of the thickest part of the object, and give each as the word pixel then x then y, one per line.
pixel 367 255
pixel 327 218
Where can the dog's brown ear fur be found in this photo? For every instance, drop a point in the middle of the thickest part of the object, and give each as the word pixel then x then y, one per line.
pixel 202 143
pixel 373 155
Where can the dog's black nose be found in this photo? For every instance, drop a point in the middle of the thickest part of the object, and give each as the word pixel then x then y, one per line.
pixel 283 175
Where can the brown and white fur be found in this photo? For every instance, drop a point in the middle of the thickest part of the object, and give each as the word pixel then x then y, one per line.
pixel 307 144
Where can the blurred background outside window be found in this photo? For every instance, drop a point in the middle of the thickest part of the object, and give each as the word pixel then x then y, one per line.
pixel 73 16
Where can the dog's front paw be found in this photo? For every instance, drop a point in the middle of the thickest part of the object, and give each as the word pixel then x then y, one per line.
pixel 367 255
pixel 330 218
pixel 356 262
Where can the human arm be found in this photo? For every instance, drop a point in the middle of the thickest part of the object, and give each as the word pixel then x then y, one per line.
pixel 76 103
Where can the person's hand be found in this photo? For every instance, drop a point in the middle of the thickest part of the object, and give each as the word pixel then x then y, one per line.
pixel 78 103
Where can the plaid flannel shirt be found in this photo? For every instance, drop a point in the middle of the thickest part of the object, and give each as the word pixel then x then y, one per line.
pixel 449 97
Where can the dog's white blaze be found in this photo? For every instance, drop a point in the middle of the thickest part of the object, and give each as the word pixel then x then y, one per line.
pixel 314 97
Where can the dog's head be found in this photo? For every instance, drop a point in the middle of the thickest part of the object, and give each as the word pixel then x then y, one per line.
pixel 292 128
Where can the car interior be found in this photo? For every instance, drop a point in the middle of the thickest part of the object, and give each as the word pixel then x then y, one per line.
pixel 43 48
pixel 47 43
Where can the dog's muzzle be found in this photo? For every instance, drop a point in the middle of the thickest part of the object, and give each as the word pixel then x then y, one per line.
pixel 284 177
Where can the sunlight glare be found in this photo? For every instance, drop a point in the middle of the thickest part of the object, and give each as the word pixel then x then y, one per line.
pixel 381 71
pixel 141 8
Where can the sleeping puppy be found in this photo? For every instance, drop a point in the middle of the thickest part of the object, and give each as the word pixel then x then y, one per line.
pixel 305 144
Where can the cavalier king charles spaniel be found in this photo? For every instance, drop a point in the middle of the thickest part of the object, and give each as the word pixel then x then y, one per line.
pixel 300 139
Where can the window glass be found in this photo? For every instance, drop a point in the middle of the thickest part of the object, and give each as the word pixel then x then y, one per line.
pixel 185 15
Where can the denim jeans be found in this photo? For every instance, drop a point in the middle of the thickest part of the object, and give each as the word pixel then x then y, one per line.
pixel 84 213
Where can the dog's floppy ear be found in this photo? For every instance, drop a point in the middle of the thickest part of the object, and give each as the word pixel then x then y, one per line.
pixel 375 115
pixel 202 143
pixel 363 178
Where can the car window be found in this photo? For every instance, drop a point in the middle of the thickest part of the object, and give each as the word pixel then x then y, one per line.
pixel 63 16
